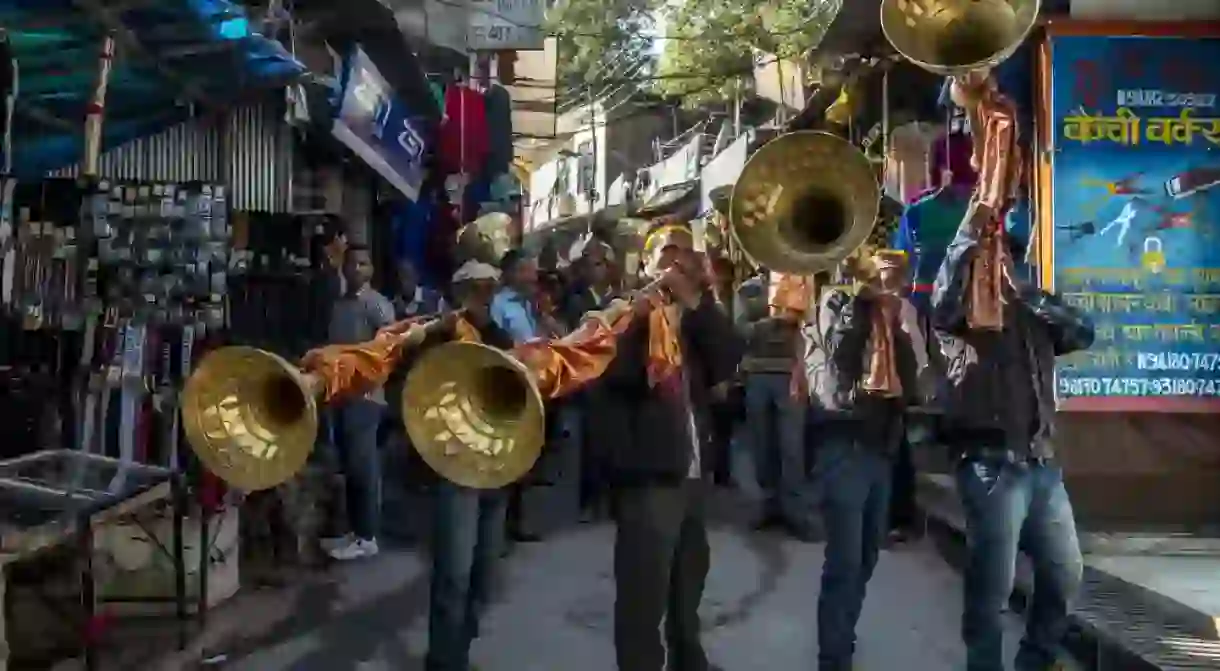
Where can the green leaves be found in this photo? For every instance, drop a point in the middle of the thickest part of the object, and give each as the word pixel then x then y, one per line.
pixel 718 41
pixel 601 43
pixel 708 49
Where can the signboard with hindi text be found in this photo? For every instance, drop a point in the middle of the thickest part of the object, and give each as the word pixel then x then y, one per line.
pixel 1136 212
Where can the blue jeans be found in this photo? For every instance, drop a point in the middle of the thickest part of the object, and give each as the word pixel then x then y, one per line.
pixel 1010 505
pixel 467 537
pixel 355 432
pixel 855 508
pixel 775 432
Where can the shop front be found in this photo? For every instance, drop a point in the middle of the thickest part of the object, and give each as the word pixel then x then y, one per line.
pixel 1129 218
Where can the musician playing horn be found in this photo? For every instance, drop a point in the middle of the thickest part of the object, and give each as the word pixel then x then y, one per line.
pixel 468 526
pixel 1000 336
pixel 867 362
pixel 659 383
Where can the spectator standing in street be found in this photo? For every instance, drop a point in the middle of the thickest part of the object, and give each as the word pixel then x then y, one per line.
pixel 774 417
pixel 413 300
pixel 592 290
pixel 356 317
pixel 515 310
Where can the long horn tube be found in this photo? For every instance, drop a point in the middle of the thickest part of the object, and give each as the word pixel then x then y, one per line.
pixel 252 417
pixel 476 414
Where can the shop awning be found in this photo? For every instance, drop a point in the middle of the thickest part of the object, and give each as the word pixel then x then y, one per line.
pixel 174 59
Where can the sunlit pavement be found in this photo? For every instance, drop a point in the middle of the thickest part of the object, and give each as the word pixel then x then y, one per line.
pixel 554 612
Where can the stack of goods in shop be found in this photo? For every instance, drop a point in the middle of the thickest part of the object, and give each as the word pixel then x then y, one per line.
pixel 110 287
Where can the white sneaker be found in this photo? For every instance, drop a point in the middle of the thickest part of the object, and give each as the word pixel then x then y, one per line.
pixel 335 542
pixel 359 548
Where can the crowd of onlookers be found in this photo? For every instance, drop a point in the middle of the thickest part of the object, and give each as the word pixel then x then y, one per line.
pixel 759 431
pixel 525 303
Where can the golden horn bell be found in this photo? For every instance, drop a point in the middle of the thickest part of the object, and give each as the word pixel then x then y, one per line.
pixel 954 37
pixel 804 203
pixel 474 414
pixel 250 416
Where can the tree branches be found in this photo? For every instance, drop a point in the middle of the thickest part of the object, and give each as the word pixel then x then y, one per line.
pixel 598 38
pixel 725 36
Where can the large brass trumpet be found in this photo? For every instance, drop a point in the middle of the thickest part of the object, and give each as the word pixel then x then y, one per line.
pixel 476 414
pixel 804 203
pixel 954 37
pixel 252 417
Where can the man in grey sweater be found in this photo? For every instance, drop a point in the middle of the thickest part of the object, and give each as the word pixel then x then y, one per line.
pixel 356 317
pixel 774 427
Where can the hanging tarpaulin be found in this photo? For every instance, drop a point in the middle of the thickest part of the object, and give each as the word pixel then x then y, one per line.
pixel 379 127
pixel 174 59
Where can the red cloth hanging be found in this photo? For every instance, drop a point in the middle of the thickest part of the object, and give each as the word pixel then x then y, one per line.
pixel 465 113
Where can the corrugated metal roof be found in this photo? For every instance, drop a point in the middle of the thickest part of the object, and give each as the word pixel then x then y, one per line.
pixel 250 150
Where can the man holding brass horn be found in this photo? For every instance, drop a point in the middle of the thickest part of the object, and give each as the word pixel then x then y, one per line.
pixel 867 362
pixel 1000 337
pixel 675 351
pixel 468 525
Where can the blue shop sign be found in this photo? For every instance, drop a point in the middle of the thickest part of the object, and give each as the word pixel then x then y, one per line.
pixel 1136 126
pixel 378 126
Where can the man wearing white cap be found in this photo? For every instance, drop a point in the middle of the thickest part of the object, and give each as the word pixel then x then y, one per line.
pixel 468 527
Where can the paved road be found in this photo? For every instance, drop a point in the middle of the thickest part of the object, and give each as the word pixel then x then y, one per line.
pixel 554 614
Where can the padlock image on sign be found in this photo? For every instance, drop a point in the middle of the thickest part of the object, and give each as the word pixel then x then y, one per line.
pixel 1153 259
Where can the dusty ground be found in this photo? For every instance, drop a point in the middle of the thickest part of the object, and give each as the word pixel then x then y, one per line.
pixel 554 614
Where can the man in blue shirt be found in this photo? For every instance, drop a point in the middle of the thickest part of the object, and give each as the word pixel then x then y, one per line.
pixel 514 308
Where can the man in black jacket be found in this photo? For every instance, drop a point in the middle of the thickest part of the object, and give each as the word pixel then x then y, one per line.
pixel 999 423
pixel 658 465
pixel 867 362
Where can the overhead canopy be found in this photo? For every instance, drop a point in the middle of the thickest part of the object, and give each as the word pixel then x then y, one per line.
pixel 174 59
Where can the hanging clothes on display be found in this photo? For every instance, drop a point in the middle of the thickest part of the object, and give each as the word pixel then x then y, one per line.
pixel 441 240
pixel 437 89
pixel 499 130
pixel 463 145
pixel 411 222
pixel 932 218
pixel 8 93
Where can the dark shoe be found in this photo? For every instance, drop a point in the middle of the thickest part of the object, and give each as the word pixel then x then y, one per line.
pixel 769 521
pixel 525 537
pixel 805 533
pixel 897 537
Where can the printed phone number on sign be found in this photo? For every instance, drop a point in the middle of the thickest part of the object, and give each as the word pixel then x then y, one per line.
pixel 1183 361
pixel 1138 386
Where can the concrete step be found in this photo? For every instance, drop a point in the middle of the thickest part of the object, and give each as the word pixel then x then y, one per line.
pixel 1124 618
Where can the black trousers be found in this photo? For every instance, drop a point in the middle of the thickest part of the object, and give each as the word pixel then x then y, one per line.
pixel 661 560
pixel 903 505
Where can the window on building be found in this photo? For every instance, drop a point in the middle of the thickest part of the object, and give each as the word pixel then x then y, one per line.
pixel 562 170
pixel 585 168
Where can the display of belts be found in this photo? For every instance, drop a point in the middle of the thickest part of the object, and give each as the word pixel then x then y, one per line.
pixel 109 289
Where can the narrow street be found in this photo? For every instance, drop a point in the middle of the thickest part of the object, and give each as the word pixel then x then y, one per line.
pixel 555 612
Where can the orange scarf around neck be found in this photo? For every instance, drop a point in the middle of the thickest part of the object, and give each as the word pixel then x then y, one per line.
pixel 881 375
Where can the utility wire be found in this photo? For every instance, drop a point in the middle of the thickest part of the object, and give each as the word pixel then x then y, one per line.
pixel 578 90
pixel 718 78
pixel 677 38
